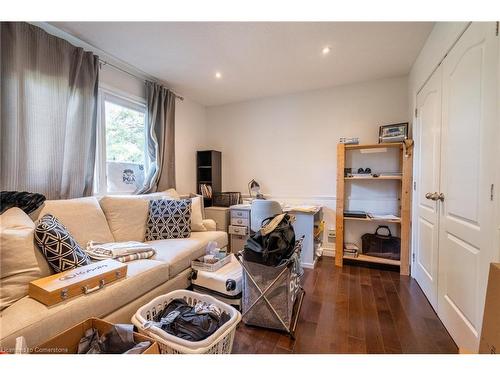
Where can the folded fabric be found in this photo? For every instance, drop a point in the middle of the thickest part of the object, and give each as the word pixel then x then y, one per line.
pixel 100 251
pixel 131 257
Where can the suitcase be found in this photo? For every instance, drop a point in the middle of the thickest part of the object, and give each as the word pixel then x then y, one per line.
pixel 223 284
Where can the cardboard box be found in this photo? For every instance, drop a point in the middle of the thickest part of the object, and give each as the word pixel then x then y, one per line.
pixel 67 341
pixel 490 335
pixel 57 288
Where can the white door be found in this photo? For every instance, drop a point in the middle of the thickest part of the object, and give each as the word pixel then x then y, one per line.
pixel 426 223
pixel 469 152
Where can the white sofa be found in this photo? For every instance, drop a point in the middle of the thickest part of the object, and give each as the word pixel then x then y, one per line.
pixel 147 278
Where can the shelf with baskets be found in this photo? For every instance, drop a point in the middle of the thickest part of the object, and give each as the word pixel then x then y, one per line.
pixel 399 182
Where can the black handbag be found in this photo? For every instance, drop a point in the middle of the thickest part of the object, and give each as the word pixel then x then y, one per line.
pixel 379 245
pixel 271 249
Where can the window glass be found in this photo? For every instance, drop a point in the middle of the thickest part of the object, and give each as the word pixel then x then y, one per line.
pixel 125 133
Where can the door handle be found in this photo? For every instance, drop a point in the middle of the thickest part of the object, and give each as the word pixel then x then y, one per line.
pixel 435 196
pixel 432 196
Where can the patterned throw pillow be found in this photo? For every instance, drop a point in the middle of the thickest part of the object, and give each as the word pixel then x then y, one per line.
pixel 58 246
pixel 168 219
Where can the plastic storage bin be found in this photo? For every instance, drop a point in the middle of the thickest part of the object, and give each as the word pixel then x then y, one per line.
pixel 221 342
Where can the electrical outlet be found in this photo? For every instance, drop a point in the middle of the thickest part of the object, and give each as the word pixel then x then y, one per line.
pixel 331 235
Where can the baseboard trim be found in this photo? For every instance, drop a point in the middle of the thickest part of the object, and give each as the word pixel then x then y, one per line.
pixel 329 253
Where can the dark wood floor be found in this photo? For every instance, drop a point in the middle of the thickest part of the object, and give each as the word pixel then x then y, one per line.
pixel 355 310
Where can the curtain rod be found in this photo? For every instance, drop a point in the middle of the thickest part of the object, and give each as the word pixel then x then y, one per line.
pixel 103 63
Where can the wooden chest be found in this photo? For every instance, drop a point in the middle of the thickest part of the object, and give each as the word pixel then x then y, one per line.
pixel 57 288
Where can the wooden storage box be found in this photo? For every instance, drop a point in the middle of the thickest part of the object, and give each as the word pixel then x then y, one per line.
pixel 67 341
pixel 57 288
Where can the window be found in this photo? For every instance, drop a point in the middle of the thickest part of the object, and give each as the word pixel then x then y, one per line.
pixel 122 160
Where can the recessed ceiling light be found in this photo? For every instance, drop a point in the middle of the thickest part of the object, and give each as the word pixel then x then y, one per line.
pixel 218 75
pixel 326 50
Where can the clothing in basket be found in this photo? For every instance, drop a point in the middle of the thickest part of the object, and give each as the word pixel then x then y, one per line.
pixel 220 342
pixel 192 323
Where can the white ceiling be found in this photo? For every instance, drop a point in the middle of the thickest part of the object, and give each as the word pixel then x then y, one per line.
pixel 257 59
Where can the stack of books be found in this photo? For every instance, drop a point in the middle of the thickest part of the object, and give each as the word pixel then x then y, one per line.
pixel 351 250
pixel 357 214
pixel 206 190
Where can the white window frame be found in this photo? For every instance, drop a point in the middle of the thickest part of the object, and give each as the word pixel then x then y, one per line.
pixel 129 101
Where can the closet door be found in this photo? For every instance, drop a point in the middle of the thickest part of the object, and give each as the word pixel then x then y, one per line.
pixel 427 143
pixel 469 152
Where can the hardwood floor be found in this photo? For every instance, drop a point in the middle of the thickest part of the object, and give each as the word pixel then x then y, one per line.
pixel 355 309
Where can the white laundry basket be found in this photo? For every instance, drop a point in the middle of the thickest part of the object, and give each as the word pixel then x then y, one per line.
pixel 220 342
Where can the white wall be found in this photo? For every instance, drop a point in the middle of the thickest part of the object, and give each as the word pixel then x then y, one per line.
pixel 288 143
pixel 190 136
pixel 122 83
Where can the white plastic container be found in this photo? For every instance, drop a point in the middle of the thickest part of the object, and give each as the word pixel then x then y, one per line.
pixel 210 267
pixel 221 342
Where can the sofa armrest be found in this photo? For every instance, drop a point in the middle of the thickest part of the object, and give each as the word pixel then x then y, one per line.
pixel 210 224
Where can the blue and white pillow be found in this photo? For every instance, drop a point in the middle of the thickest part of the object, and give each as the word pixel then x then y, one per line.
pixel 58 246
pixel 168 219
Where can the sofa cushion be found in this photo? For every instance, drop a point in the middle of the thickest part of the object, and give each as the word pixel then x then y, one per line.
pixel 20 261
pixel 126 217
pixel 58 245
pixel 37 322
pixel 127 214
pixel 82 216
pixel 168 219
pixel 197 224
pixel 179 253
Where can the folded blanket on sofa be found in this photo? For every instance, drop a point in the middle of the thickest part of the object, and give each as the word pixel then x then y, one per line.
pixel 131 257
pixel 121 251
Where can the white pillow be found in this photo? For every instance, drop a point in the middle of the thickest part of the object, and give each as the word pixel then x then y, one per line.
pixel 82 216
pixel 20 260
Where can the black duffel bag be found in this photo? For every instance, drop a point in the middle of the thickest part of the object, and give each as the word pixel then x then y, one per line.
pixel 379 245
pixel 272 248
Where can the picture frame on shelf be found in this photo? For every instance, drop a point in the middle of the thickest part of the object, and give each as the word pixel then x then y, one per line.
pixel 393 133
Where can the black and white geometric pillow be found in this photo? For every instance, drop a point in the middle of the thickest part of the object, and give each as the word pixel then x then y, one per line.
pixel 168 218
pixel 58 246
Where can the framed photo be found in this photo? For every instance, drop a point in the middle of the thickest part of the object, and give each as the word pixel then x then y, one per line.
pixel 393 133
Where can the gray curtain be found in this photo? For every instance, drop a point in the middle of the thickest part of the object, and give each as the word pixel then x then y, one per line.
pixel 48 113
pixel 161 138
